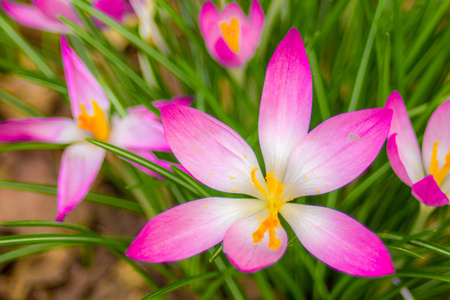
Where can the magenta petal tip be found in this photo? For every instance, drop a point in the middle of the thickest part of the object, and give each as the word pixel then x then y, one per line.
pixel 428 192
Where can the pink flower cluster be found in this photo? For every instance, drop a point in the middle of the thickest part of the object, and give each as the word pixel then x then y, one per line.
pixel 298 161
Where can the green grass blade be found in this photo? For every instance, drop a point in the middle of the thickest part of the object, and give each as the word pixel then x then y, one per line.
pixel 19 105
pixel 55 85
pixel 404 250
pixel 422 274
pixel 431 246
pixel 27 251
pixel 31 146
pixel 180 283
pixel 31 239
pixel 40 223
pixel 22 44
pixel 426 32
pixel 145 163
pixel 365 59
pixel 318 87
pixel 91 197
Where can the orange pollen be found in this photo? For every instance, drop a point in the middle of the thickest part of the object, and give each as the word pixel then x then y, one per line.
pixel 439 174
pixel 231 34
pixel 97 124
pixel 272 195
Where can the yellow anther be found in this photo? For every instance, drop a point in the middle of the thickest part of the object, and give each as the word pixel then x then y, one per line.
pixel 231 34
pixel 97 124
pixel 439 175
pixel 272 196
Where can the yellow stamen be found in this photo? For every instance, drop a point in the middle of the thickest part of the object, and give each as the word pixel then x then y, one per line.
pixel 97 124
pixel 257 184
pixel 231 34
pixel 439 175
pixel 272 195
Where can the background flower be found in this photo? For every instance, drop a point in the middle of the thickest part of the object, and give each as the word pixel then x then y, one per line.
pixel 43 14
pixel 231 37
pixel 139 132
pixel 426 174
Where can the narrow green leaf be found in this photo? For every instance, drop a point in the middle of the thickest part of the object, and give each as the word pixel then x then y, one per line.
pixel 216 253
pixel 26 251
pixel 91 197
pixel 365 185
pixel 431 246
pixel 181 283
pixel 145 163
pixel 318 87
pixel 41 223
pixel 365 59
pixel 19 105
pixel 422 274
pixel 30 239
pixel 31 146
pixel 55 85
pixel 426 32
pixel 22 44
pixel 407 251
pixel 264 286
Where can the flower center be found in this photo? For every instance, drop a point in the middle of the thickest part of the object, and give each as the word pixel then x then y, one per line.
pixel 439 175
pixel 231 34
pixel 97 124
pixel 272 195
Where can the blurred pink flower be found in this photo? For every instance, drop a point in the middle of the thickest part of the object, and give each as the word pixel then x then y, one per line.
pixel 427 174
pixel 298 164
pixel 139 132
pixel 43 14
pixel 230 36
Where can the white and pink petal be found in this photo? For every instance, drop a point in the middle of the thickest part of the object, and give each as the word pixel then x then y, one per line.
pixel 137 131
pixel 52 130
pixel 211 151
pixel 31 16
pixel 79 167
pixel 209 25
pixel 395 160
pixel 407 147
pixel 251 31
pixel 189 229
pixel 285 103
pixel 338 240
pixel 438 130
pixel 336 152
pixel 83 88
pixel 246 255
pixel 54 8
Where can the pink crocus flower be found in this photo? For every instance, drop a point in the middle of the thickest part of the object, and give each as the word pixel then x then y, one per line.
pixel 139 132
pixel 231 37
pixel 428 173
pixel 43 14
pixel 298 164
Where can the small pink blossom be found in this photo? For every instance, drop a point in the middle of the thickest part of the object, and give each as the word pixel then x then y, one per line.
pixel 428 174
pixel 139 132
pixel 230 36
pixel 43 14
